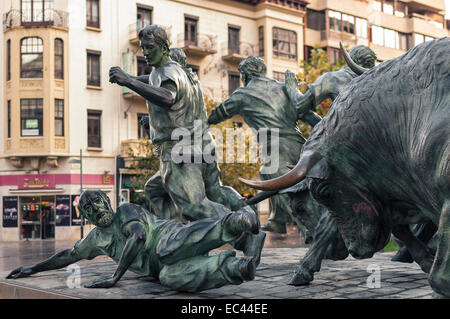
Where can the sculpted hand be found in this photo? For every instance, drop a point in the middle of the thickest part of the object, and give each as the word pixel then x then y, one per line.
pixel 20 273
pixel 291 80
pixel 117 75
pixel 102 282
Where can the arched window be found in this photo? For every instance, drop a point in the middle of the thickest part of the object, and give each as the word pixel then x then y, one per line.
pixel 59 59
pixel 31 57
pixel 36 12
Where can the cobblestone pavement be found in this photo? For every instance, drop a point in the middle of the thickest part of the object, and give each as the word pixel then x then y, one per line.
pixel 346 279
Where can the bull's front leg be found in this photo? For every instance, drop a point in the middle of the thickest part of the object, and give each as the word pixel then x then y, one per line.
pixel 419 251
pixel 325 233
pixel 440 272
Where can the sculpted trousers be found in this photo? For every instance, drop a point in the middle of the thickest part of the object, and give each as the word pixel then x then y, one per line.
pixel 183 253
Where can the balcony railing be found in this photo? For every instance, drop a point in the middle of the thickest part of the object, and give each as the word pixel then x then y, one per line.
pixel 39 18
pixel 236 54
pixel 338 36
pixel 202 45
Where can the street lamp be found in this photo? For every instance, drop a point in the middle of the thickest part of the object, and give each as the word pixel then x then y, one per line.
pixel 80 161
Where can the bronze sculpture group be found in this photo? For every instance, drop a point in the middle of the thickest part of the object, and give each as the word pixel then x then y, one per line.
pixel 378 162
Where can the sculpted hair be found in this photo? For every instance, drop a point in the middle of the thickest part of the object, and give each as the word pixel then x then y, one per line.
pixel 363 56
pixel 156 32
pixel 253 66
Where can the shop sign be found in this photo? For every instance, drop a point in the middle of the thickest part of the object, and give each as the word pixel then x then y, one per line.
pixel 10 211
pixel 40 181
pixel 62 210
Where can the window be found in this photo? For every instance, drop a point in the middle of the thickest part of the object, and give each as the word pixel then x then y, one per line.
pixel 36 12
pixel 334 55
pixel 400 9
pixel 31 115
pixel 279 76
pixel 377 5
pixel 31 55
pixel 233 40
pixel 388 7
pixel 93 68
pixel 9 118
pixel 402 41
pixel 59 117
pixel 348 23
pixel 284 43
pixel 233 82
pixel 361 28
pixel 389 38
pixel 190 30
pixel 377 35
pixel 261 40
pixel 315 20
pixel 144 17
pixel 93 13
pixel 335 20
pixel 8 60
pixel 142 132
pixel 142 67
pixel 94 129
pixel 59 59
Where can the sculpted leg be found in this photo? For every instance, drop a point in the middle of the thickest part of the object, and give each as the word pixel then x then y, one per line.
pixel 419 251
pixel 440 272
pixel 207 272
pixel 160 201
pixel 326 233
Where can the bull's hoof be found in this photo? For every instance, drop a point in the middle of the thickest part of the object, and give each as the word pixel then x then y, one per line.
pixel 403 256
pixel 301 279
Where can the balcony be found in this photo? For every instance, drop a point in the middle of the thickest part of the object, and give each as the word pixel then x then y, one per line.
pixel 133 32
pixel 425 25
pixel 203 45
pixel 134 149
pixel 237 54
pixel 40 18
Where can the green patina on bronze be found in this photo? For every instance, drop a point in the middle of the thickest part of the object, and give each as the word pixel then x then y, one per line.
pixel 168 250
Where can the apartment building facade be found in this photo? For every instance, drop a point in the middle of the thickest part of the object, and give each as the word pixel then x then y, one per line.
pixel 388 27
pixel 66 128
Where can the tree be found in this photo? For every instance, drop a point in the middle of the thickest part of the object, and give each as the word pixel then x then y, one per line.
pixel 317 65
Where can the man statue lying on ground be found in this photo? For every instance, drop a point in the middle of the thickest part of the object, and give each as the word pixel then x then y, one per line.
pixel 174 253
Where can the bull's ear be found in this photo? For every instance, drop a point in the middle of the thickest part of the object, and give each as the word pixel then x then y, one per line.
pixel 320 170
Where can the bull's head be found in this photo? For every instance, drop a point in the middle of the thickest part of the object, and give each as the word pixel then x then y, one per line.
pixel 358 214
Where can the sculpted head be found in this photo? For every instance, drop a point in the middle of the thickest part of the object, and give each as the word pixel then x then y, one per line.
pixel 363 56
pixel 252 67
pixel 96 207
pixel 178 55
pixel 155 44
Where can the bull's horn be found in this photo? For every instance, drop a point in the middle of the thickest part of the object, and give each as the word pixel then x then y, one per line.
pixel 260 197
pixel 352 65
pixel 307 160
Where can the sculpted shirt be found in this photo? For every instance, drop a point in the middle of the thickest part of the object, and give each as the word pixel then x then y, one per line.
pixel 264 104
pixel 111 241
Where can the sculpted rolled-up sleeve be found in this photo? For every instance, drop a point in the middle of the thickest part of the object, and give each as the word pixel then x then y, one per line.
pixel 226 110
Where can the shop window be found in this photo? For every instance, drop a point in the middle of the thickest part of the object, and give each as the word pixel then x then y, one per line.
pixel 144 17
pixel 93 68
pixel 37 219
pixel 190 30
pixel 36 12
pixel 142 67
pixel 31 115
pixel 142 132
pixel 233 82
pixel 233 40
pixel 93 13
pixel 59 59
pixel 284 43
pixel 59 117
pixel 94 129
pixel 31 56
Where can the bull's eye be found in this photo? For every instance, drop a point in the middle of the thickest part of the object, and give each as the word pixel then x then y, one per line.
pixel 322 190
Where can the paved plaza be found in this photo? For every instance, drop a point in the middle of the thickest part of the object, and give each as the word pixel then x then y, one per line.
pixel 373 278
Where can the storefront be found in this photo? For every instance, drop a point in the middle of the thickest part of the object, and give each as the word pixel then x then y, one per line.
pixel 44 206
